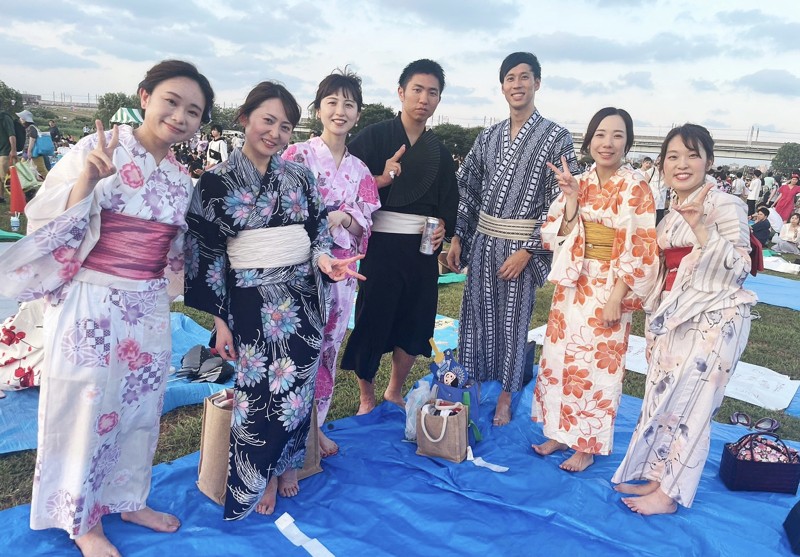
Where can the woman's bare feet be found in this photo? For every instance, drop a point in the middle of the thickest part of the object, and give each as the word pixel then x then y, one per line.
pixel 366 398
pixel 638 489
pixel 656 502
pixel 287 483
pixel 577 462
pixel 502 412
pixel 94 543
pixel 267 503
pixel 549 447
pixel 327 447
pixel 155 520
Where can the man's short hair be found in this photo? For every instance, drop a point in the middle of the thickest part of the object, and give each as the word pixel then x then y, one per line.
pixel 647 159
pixel 422 66
pixel 515 59
pixel 764 211
pixel 757 173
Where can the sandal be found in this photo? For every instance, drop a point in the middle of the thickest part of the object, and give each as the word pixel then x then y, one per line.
pixel 767 425
pixel 740 418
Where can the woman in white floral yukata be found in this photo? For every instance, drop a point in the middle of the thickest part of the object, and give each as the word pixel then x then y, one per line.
pixel 698 325
pixel 257 249
pixel 351 196
pixel 105 234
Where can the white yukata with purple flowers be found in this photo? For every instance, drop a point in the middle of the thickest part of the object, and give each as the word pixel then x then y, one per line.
pixel 106 339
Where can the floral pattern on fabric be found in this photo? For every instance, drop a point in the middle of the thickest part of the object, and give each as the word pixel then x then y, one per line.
pixel 583 362
pixel 350 188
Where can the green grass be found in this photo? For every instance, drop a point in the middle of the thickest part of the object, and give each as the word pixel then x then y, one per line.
pixel 772 344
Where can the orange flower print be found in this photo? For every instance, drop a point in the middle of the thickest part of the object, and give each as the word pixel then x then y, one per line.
pixel 546 375
pixel 642 199
pixel 559 294
pixel 574 381
pixel 577 248
pixel 568 418
pixel 597 323
pixel 609 355
pixel 618 248
pixel 645 245
pixel 590 445
pixel 583 289
pixel 556 325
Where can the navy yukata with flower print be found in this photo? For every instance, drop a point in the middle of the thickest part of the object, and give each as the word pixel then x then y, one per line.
pixel 276 314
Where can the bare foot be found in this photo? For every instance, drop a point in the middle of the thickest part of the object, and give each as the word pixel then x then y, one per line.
pixel 267 503
pixel 549 447
pixel 327 447
pixel 155 520
pixel 656 502
pixel 395 398
pixel 577 462
pixel 502 412
pixel 94 543
pixel 287 483
pixel 638 489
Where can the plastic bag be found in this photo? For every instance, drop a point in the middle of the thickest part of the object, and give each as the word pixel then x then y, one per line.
pixel 417 398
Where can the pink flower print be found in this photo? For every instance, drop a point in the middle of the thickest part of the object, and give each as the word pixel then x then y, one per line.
pixel 145 358
pixel 106 423
pixel 61 506
pixel 131 175
pixel 69 269
pixel 97 512
pixel 64 254
pixel 128 350
pixel 367 190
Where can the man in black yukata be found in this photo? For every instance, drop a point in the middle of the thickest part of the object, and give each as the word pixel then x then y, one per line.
pixel 506 189
pixel 415 173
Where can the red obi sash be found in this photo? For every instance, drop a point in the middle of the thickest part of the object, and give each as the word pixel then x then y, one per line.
pixel 130 247
pixel 673 258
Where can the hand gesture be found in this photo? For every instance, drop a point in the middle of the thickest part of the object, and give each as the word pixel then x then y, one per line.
pixel 338 269
pixel 693 211
pixel 514 265
pixel 392 169
pixel 566 181
pixel 454 254
pixel 99 163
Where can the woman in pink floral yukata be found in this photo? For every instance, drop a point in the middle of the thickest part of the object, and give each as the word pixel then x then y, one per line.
pixel 105 237
pixel 351 196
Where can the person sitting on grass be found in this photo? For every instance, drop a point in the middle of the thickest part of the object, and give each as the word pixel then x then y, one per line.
pixel 761 227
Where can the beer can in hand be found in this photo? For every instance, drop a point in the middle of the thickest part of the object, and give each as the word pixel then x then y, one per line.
pixel 426 245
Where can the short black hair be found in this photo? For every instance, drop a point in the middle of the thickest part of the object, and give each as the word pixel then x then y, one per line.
pixel 764 211
pixel 647 159
pixel 422 66
pixel 167 69
pixel 216 127
pixel 515 59
pixel 599 117
pixel 694 136
pixel 345 81
pixel 757 173
pixel 265 91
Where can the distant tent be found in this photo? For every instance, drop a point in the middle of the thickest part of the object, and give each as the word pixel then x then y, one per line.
pixel 127 116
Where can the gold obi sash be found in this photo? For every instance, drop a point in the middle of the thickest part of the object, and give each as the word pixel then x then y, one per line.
pixel 509 229
pixel 599 241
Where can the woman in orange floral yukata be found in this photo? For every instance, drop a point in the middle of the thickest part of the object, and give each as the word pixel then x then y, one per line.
pixel 602 230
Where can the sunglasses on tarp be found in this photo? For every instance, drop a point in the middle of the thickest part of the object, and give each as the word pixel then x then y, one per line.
pixel 767 425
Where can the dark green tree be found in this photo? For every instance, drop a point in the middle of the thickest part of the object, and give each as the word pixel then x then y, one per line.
pixel 787 159
pixel 371 114
pixel 109 103
pixel 456 138
pixel 225 117
pixel 10 99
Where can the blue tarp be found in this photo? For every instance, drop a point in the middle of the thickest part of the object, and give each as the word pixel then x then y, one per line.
pixel 18 410
pixel 377 497
pixel 775 291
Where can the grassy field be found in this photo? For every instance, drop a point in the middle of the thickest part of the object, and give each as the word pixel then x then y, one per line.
pixel 772 344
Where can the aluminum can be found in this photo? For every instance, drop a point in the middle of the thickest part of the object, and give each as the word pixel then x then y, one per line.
pixel 426 245
pixel 14 221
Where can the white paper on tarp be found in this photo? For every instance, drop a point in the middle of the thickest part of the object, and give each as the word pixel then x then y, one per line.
pixel 478 461
pixel 781 265
pixel 750 383
pixel 288 528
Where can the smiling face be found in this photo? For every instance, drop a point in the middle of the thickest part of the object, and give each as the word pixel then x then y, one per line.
pixel 685 168
pixel 172 111
pixel 519 87
pixel 420 97
pixel 794 220
pixel 338 113
pixel 607 147
pixel 267 130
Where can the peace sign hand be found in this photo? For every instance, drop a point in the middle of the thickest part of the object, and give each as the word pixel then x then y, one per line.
pixel 566 181
pixel 99 163
pixel 338 269
pixel 392 169
pixel 693 211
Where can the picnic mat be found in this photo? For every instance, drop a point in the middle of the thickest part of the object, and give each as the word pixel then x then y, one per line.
pixel 775 291
pixel 377 497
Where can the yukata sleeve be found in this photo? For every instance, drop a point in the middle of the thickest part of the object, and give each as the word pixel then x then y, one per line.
pixel 568 251
pixel 471 174
pixel 317 222
pixel 365 203
pixel 563 147
pixel 447 205
pixel 634 254
pixel 205 249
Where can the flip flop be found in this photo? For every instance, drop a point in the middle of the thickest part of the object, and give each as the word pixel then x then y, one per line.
pixel 767 425
pixel 740 418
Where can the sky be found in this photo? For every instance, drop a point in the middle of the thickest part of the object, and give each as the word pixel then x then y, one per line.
pixel 733 66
